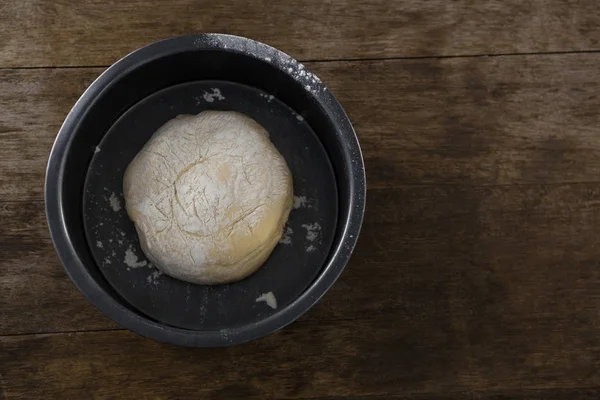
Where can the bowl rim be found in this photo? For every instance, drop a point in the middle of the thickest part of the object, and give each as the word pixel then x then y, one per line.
pixel 137 322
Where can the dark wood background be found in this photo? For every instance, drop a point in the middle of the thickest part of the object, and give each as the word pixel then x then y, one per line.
pixel 477 274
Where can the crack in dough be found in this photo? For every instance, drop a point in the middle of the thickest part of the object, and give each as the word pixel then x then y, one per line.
pixel 209 195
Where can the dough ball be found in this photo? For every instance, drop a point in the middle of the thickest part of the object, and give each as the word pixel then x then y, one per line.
pixel 209 195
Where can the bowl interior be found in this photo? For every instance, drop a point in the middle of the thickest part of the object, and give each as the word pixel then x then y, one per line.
pixel 291 267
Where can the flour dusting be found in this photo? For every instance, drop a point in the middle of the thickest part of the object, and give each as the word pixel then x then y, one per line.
pixel 262 51
pixel 97 150
pixel 152 279
pixel 312 231
pixel 310 249
pixel 311 82
pixel 115 204
pixel 210 97
pixel 269 97
pixel 132 260
pixel 286 238
pixel 99 244
pixel 300 202
pixel 235 189
pixel 268 298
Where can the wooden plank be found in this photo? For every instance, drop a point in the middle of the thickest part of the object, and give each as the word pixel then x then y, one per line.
pixel 485 121
pixel 346 358
pixel 477 268
pixel 475 121
pixel 441 202
pixel 406 396
pixel 34 104
pixel 554 394
pixel 37 295
pixel 466 395
pixel 525 394
pixel 474 252
pixel 95 32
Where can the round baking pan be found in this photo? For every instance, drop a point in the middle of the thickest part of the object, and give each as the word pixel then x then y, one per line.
pixel 112 121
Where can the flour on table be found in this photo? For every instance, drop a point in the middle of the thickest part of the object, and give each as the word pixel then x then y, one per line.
pixel 268 298
pixel 310 249
pixel 99 244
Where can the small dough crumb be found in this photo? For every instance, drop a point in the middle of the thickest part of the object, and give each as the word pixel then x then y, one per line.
pixel 132 260
pixel 300 201
pixel 115 204
pixel 312 231
pixel 268 298
pixel 210 97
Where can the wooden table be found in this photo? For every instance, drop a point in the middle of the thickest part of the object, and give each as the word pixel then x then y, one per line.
pixel 477 272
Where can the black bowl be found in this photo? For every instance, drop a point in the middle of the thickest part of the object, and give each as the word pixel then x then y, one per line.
pixel 112 121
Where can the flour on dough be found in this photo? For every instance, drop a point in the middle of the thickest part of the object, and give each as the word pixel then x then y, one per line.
pixel 209 195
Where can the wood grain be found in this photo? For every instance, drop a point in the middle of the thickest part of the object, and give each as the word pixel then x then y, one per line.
pixel 455 190
pixel 473 121
pixel 34 104
pixel 479 252
pixel 476 275
pixel 97 32
pixel 346 358
pixel 555 394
